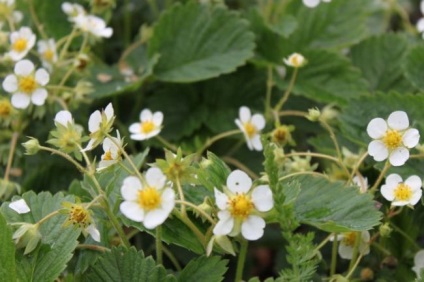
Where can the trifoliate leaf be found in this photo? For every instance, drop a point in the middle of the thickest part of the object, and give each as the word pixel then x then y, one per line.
pixel 204 269
pixel 414 66
pixel 7 253
pixel 197 42
pixel 127 265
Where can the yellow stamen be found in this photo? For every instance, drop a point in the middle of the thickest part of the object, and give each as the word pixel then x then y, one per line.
pixel 48 55
pixel 79 216
pixel 250 129
pixel 107 156
pixel 149 198
pixel 403 192
pixel 147 126
pixel 20 45
pixel 392 139
pixel 349 239
pixel 5 108
pixel 241 206
pixel 27 84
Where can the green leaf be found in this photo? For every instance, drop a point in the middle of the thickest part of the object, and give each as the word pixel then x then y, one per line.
pixel 197 42
pixel 328 77
pixel 333 207
pixel 213 172
pixel 204 269
pixel 128 265
pixel 7 253
pixel 380 58
pixel 57 243
pixel 54 20
pixel 414 66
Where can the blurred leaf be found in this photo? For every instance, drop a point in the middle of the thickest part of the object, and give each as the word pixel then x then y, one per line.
pixel 213 172
pixel 127 265
pixel 54 20
pixel 333 207
pixel 204 269
pixel 379 59
pixel 197 42
pixel 7 253
pixel 414 66
pixel 285 25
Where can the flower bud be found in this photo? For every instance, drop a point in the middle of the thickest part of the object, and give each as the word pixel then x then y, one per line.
pixel 329 113
pixel 313 114
pixel 367 274
pixel 295 60
pixel 282 135
pixel 27 236
pixel 32 146
pixel 385 230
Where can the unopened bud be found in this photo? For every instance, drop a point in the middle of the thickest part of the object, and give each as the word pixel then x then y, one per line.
pixel 313 114
pixel 385 230
pixel 32 146
pixel 27 236
pixel 367 274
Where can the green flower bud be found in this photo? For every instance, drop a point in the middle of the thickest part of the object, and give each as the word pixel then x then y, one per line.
pixel 32 146
pixel 313 114
pixel 385 230
pixel 27 236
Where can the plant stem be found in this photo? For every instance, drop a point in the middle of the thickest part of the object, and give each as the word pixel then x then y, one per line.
pixel 357 165
pixel 181 194
pixel 241 260
pixel 13 142
pixel 50 215
pixel 269 85
pixel 409 239
pixel 354 267
pixel 318 155
pixel 380 177
pixel 358 239
pixel 334 256
pixel 191 225
pixel 93 248
pixel 334 139
pixel 240 165
pixel 286 95
pixel 172 258
pixel 202 212
pixel 209 142
pixel 166 143
pixel 322 243
pixel 293 113
pixel 302 173
pixel 158 245
pixel 65 156
pixel 36 20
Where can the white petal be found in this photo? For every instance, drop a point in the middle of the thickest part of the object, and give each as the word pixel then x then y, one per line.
pixel 94 121
pixel 420 25
pixel 155 217
pixel 419 258
pixel 239 182
pixel 345 251
pixel 414 182
pixel 106 32
pixel 19 206
pixel 393 179
pixel 39 96
pixel 132 210
pixel 253 228
pixel 262 198
pixel 256 142
pixel 377 128
pixel 135 128
pixel 130 188
pixel 388 192
pixel 398 120
pixel 258 120
pixel 151 133
pixel 157 118
pixel 94 232
pixel 311 3
pixel 399 156
pixel 109 111
pixel 221 199
pixel 244 114
pixel 155 178
pixel 89 145
pixel 239 125
pixel 10 83
pixel 63 117
pixel 146 115
pixel 168 199
pixel 378 150
pixel 416 197
pixel 24 67
pixel 225 223
pixel 138 137
pixel 20 101
pixel 411 137
pixel 42 77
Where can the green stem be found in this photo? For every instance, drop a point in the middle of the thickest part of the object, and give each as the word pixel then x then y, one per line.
pixel 212 140
pixel 193 206
pixel 191 225
pixel 93 248
pixel 158 245
pixel 380 177
pixel 67 44
pixel 172 258
pixel 269 85
pixel 334 256
pixel 322 243
pixel 13 142
pixel 318 155
pixel 406 236
pixel 357 165
pixel 181 194
pixel 241 260
pixel 36 20
pixel 240 165
pixel 65 156
pixel 301 173
pixel 47 217
pixel 116 224
pixel 166 143
pixel 334 139
pixel 354 267
pixel 286 95
pixel 358 239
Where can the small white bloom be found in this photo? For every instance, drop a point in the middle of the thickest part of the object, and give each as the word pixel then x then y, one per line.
pixel 21 42
pixel 361 182
pixel 19 206
pixel 98 124
pixel 251 127
pixel 47 51
pixel 112 152
pixel 402 193
pixel 241 207
pixel 392 138
pixel 313 3
pixel 26 85
pixel 64 118
pixel 93 25
pixel 418 263
pixel 347 243
pixel 295 60
pixel 149 126
pixel 72 10
pixel 150 202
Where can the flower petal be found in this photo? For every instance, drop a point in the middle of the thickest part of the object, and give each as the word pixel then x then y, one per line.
pixel 377 128
pixel 155 178
pixel 155 218
pixel 130 188
pixel 253 227
pixel 20 100
pixel 146 115
pixel 221 199
pixel 399 156
pixel 256 142
pixel 411 137
pixel 393 179
pixel 42 77
pixel 239 182
pixel 24 68
pixel 262 198
pixel 388 192
pixel 258 120
pixel 378 150
pixel 168 199
pixel 225 223
pixel 94 121
pixel 109 112
pixel 311 3
pixel 157 118
pixel 398 120
pixel 10 83
pixel 244 114
pixel 39 96
pixel 63 117
pixel 416 196
pixel 345 251
pixel 414 182
pixel 132 211
pixel 94 232
pixel 419 259
pixel 19 206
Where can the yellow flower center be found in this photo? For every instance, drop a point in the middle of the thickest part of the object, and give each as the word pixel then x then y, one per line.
pixel 79 216
pixel 48 55
pixel 27 84
pixel 107 156
pixel 392 139
pixel 147 126
pixel 241 206
pixel 149 198
pixel 403 192
pixel 349 239
pixel 5 108
pixel 20 45
pixel 250 129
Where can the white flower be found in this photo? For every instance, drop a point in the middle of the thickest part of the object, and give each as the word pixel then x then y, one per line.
pixel 295 60
pixel 402 193
pixel 150 202
pixel 47 51
pixel 241 207
pixel 98 124
pixel 64 118
pixel 21 42
pixel 392 138
pixel 112 152
pixel 93 25
pixel 361 182
pixel 347 243
pixel 73 10
pixel 149 126
pixel 313 3
pixel 251 127
pixel 418 263
pixel 27 85
pixel 19 206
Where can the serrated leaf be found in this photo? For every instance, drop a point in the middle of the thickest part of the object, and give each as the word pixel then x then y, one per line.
pixel 328 77
pixel 414 66
pixel 204 269
pixel 7 253
pixel 123 264
pixel 333 207
pixel 380 58
pixel 213 172
pixel 197 42
pixel 57 242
